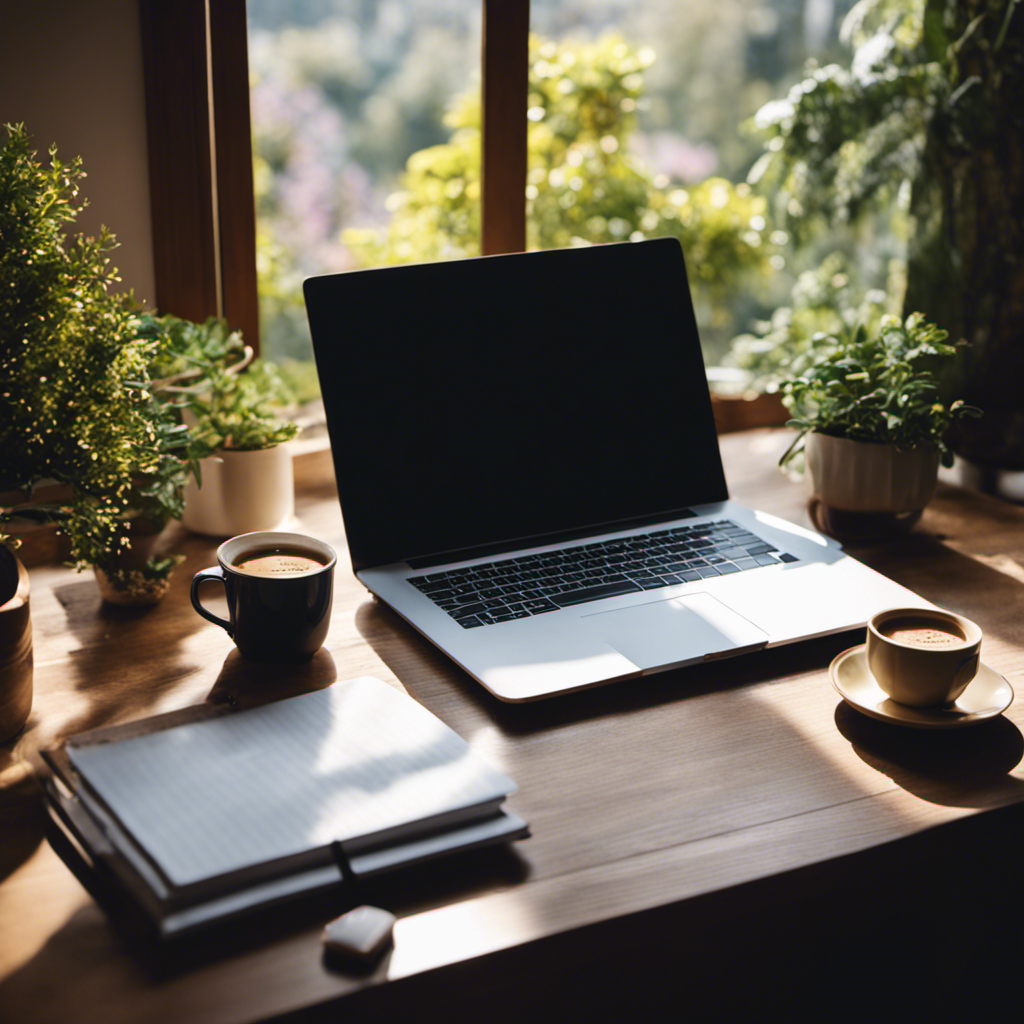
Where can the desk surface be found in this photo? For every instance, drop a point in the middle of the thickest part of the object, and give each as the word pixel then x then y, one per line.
pixel 652 803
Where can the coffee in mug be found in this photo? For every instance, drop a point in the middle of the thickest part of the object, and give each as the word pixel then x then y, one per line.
pixel 923 657
pixel 918 631
pixel 279 589
pixel 277 562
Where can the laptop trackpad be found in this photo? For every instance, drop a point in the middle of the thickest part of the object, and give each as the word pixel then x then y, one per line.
pixel 675 631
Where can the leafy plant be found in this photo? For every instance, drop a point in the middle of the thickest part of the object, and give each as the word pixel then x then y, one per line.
pixel 919 141
pixel 881 388
pixel 824 303
pixel 74 401
pixel 229 400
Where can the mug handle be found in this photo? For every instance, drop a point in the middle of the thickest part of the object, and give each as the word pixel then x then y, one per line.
pixel 213 573
pixel 967 670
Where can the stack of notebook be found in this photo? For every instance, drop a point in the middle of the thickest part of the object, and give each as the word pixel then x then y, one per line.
pixel 200 817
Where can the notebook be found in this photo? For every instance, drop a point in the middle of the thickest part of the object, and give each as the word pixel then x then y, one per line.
pixel 529 472
pixel 229 812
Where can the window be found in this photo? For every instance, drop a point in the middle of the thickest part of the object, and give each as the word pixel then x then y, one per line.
pixel 682 78
pixel 197 85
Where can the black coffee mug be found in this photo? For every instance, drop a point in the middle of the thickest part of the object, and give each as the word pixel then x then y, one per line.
pixel 279 590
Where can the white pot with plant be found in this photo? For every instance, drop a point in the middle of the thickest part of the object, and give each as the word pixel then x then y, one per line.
pixel 873 426
pixel 232 405
pixel 242 491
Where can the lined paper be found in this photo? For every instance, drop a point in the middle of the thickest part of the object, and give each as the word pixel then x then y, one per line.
pixel 357 762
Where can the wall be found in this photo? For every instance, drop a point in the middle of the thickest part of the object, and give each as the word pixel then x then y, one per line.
pixel 72 72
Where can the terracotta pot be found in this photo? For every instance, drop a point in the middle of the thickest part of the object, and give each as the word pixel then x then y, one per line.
pixel 15 646
pixel 864 491
pixel 140 595
pixel 242 492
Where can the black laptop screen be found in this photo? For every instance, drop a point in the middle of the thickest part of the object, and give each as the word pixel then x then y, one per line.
pixel 478 402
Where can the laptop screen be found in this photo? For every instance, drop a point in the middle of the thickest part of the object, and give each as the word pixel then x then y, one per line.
pixel 479 402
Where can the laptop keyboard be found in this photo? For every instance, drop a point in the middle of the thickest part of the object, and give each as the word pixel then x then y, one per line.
pixel 514 588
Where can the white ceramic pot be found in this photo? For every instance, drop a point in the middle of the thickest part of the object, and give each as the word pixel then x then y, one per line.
pixel 241 492
pixel 857 476
pixel 864 492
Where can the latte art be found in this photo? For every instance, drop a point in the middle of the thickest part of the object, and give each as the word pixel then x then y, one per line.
pixel 277 563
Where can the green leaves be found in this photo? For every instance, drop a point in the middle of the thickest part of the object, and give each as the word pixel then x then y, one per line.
pixel 93 393
pixel 72 369
pixel 584 184
pixel 230 403
pixel 881 387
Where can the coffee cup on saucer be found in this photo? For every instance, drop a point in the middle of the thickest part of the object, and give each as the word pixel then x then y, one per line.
pixel 923 657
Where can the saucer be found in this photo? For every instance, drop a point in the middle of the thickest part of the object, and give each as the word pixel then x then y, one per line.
pixel 988 695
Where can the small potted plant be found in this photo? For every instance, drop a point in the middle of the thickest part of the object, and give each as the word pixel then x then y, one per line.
pixel 232 406
pixel 873 426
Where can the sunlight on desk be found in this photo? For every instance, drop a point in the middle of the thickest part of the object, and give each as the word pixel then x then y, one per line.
pixel 450 934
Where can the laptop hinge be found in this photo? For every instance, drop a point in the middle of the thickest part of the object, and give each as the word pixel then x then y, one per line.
pixel 483 550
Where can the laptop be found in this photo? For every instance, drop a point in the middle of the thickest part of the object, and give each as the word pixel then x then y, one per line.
pixel 529 472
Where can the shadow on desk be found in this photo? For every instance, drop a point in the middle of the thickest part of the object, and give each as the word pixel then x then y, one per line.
pixel 924 927
pixel 954 767
pixel 419 663
pixel 113 931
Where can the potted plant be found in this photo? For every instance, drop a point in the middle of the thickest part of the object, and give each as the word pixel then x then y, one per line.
pixel 84 441
pixel 872 425
pixel 910 158
pixel 232 406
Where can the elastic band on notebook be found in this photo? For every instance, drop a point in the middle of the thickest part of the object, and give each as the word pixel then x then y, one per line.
pixel 341 859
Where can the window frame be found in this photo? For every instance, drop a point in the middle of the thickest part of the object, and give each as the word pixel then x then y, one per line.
pixel 199 138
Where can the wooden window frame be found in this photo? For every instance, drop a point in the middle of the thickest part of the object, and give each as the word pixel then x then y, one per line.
pixel 199 137
pixel 505 88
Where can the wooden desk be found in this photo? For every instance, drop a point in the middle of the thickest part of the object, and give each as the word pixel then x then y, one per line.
pixel 730 835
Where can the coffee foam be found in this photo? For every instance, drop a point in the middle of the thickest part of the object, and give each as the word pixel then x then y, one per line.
pixel 922 632
pixel 924 637
pixel 277 563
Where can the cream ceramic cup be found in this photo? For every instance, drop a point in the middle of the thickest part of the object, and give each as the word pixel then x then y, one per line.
pixel 923 657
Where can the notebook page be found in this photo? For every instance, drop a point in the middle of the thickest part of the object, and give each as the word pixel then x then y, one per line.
pixel 357 759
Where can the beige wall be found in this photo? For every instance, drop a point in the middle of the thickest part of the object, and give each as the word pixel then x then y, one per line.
pixel 71 70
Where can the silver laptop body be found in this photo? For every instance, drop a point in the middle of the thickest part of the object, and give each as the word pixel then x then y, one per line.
pixel 529 472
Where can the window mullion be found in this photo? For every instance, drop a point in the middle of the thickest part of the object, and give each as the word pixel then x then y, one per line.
pixel 232 135
pixel 506 30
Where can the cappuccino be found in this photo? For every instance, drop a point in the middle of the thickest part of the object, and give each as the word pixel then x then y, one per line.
pixel 923 657
pixel 928 633
pixel 277 562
